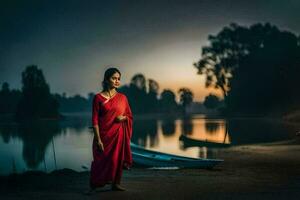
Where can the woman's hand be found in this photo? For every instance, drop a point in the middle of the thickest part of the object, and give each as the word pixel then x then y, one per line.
pixel 100 145
pixel 121 118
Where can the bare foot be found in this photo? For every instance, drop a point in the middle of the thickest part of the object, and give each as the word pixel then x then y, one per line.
pixel 93 190
pixel 117 187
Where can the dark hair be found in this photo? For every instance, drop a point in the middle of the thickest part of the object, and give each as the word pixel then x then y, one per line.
pixel 107 75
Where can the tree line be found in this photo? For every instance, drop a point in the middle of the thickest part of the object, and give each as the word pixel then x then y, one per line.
pixel 35 101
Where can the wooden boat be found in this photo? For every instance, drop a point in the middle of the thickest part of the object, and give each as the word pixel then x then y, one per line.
pixel 149 158
pixel 190 142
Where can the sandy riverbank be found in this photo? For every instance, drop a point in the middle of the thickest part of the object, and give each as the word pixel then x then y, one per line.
pixel 267 171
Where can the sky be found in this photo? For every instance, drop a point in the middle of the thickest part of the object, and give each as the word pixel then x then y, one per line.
pixel 74 41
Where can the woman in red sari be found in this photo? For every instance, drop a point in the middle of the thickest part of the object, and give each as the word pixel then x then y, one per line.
pixel 112 125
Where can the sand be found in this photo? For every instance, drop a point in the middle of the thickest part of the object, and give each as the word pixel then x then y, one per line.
pixel 266 171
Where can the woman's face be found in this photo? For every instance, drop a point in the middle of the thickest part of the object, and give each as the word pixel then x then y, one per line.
pixel 114 81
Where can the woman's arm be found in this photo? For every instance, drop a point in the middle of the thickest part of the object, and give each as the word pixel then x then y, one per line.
pixel 97 133
pixel 95 115
pixel 98 138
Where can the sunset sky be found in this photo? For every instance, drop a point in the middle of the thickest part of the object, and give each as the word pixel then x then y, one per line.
pixel 74 41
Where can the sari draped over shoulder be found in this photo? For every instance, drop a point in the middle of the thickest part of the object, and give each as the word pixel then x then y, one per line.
pixel 107 166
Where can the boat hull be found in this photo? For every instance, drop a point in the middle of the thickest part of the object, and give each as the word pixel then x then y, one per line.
pixel 148 158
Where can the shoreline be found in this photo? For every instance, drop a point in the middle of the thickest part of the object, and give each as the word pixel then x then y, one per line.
pixel 260 171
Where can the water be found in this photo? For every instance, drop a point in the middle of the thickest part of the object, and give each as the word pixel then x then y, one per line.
pixel 51 145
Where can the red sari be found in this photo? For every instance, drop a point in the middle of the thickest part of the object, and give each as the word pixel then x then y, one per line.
pixel 107 166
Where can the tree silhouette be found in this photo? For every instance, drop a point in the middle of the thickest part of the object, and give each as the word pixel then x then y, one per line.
pixel 5 87
pixel 211 101
pixel 185 97
pixel 139 81
pixel 141 99
pixel 168 101
pixel 36 101
pixel 222 57
pixel 138 93
pixel 8 99
pixel 152 95
pixel 256 68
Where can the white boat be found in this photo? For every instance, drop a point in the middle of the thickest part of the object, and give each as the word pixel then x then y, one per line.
pixel 149 158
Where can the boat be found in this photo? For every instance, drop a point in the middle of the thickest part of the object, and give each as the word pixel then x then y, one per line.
pixel 150 158
pixel 190 142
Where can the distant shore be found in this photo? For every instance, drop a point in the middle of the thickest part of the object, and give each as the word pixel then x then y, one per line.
pixel 288 117
pixel 266 171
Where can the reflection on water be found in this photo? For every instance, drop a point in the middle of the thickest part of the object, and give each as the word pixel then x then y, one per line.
pixel 45 146
pixel 50 145
pixel 168 127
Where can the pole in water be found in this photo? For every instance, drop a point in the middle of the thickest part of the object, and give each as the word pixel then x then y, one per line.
pixel 54 156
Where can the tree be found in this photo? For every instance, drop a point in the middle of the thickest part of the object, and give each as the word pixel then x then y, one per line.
pixel 36 101
pixel 167 101
pixel 139 81
pixel 8 99
pixel 153 86
pixel 221 58
pixel 256 67
pixel 211 101
pixel 136 93
pixel 5 98
pixel 5 88
pixel 186 97
pixel 152 95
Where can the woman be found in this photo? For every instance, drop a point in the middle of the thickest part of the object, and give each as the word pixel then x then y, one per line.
pixel 112 126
